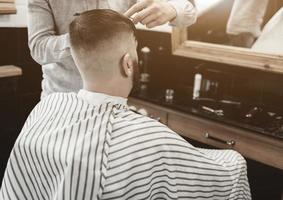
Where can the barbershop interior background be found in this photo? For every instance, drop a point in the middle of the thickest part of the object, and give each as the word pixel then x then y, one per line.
pixel 211 103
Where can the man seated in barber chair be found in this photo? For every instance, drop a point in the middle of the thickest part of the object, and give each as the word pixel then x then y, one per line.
pixel 90 145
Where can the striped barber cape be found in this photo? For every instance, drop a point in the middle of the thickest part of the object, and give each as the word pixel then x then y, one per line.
pixel 71 149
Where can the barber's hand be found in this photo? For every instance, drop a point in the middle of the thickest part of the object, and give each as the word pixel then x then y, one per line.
pixel 151 12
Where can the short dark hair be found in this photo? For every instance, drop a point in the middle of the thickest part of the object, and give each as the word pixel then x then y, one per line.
pixel 90 28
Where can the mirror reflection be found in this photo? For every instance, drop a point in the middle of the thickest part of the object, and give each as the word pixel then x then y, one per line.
pixel 254 24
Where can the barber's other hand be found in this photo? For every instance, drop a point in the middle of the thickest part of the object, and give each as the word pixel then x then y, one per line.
pixel 152 12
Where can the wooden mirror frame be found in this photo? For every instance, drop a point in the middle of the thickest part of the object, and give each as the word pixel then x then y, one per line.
pixel 238 56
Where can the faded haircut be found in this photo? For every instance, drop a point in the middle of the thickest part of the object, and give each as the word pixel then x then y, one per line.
pixel 93 27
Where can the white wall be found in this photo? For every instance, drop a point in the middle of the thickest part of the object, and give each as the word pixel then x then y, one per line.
pixel 17 20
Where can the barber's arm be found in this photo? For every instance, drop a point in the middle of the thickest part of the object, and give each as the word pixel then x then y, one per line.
pixel 45 46
pixel 157 12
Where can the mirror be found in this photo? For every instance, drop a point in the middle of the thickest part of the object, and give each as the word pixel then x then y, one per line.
pixel 247 33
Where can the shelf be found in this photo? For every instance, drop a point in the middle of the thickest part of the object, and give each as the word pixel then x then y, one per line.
pixel 7 1
pixel 10 71
pixel 7 7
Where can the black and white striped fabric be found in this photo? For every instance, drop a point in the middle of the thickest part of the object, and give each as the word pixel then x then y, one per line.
pixel 70 149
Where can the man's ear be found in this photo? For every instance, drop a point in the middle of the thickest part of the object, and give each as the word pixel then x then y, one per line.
pixel 127 65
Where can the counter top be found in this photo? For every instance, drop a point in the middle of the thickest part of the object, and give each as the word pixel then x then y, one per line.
pixel 10 71
pixel 233 115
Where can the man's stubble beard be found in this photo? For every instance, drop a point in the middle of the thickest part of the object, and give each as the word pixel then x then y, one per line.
pixel 136 78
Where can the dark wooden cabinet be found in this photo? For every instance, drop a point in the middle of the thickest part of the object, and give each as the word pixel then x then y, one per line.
pixel 254 146
pixel 263 154
pixel 9 111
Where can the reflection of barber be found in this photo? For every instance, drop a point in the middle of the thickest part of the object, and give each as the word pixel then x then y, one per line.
pixel 49 39
pixel 246 18
pixel 271 39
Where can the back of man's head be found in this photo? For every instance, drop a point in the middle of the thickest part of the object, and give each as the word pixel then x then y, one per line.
pixel 99 40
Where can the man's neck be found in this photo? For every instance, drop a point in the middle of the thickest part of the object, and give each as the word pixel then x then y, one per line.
pixel 98 98
pixel 106 89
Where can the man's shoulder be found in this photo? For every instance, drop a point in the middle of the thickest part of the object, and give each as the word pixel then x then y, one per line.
pixel 133 117
pixel 52 100
pixel 60 96
pixel 136 123
pixel 57 99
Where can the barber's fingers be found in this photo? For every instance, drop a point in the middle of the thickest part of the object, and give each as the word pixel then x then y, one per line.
pixel 154 19
pixel 150 18
pixel 143 14
pixel 153 24
pixel 138 7
pixel 151 13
